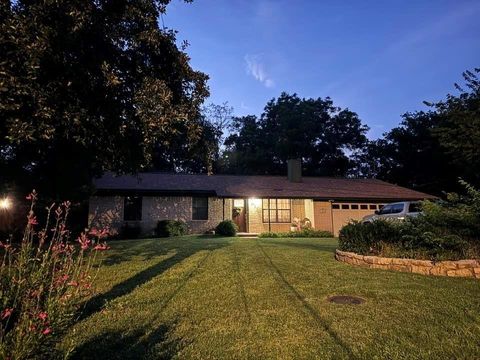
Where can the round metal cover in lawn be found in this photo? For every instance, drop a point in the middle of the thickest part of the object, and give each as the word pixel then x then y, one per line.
pixel 344 299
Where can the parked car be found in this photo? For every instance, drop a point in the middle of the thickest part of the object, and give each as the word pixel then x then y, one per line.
pixel 397 211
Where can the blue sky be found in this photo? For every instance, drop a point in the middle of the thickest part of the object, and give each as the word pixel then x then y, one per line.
pixel 378 58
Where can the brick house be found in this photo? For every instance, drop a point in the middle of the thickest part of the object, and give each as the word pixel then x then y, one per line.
pixel 255 203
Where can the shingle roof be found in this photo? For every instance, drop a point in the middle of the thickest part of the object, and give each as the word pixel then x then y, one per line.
pixel 327 188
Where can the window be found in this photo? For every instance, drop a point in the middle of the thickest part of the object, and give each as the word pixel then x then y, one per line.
pixel 387 209
pixel 335 206
pixel 199 208
pixel 397 208
pixel 276 210
pixel 414 207
pixel 354 206
pixel 364 207
pixel 345 206
pixel 132 208
pixel 373 207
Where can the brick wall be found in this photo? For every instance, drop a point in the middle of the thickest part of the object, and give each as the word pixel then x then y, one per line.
pixel 107 211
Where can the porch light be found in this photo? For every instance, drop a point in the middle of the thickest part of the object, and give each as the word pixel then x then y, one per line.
pixel 5 203
pixel 254 202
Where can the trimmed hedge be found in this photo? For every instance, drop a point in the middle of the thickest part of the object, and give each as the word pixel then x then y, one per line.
pixel 226 228
pixel 305 233
pixel 169 228
pixel 413 238
pixel 447 230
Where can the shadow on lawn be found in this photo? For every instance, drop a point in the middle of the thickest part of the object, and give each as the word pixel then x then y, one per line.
pixel 142 343
pixel 181 248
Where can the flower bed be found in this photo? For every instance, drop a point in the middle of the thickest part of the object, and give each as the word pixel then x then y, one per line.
pixel 459 268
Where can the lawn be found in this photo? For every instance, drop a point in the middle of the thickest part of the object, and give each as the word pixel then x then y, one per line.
pixel 210 298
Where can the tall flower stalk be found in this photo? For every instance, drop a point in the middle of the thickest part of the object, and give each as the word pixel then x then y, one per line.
pixel 43 282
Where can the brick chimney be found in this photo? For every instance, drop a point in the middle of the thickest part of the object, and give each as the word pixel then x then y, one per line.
pixel 294 170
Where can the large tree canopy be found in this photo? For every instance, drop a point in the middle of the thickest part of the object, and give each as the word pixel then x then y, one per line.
pixel 458 130
pixel 88 86
pixel 202 153
pixel 409 155
pixel 431 150
pixel 323 135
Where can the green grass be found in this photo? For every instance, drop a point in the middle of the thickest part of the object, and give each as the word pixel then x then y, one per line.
pixel 210 298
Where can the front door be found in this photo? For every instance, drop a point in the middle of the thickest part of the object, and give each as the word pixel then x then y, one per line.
pixel 238 214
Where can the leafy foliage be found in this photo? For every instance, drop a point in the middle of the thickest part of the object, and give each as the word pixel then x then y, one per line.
pixel 459 128
pixel 305 233
pixel 202 153
pixel 226 228
pixel 290 127
pixel 168 228
pixel 43 282
pixel 429 151
pixel 90 86
pixel 446 230
pixel 410 155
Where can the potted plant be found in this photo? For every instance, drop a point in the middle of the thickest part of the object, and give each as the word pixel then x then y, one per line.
pixel 293 227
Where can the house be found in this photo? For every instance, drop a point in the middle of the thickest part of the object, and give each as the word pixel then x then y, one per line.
pixel 255 203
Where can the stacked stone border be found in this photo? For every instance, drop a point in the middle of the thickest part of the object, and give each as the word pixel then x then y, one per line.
pixel 459 268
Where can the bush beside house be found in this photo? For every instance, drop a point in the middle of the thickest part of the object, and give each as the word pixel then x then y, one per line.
pixel 447 230
pixel 226 228
pixel 169 228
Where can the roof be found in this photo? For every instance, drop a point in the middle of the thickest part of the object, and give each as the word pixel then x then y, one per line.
pixel 320 188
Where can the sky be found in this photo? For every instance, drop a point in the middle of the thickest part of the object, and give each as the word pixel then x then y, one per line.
pixel 380 59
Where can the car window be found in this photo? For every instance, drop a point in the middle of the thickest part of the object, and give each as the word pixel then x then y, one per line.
pixel 387 209
pixel 414 207
pixel 397 208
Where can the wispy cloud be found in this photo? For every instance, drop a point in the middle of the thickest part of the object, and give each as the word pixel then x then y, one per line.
pixel 256 68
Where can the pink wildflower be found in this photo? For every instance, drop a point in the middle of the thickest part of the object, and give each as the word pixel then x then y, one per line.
pixel 6 313
pixel 32 220
pixel 101 247
pixel 73 283
pixel 5 246
pixel 47 331
pixel 43 316
pixel 84 241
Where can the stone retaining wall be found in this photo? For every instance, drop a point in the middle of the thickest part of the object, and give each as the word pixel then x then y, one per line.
pixel 463 268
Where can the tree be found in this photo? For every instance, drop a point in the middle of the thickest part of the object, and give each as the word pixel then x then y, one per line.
pixel 89 86
pixel 458 130
pixel 431 150
pixel 200 155
pixel 315 130
pixel 410 155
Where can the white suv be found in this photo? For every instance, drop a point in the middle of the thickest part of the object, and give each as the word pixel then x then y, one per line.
pixel 397 211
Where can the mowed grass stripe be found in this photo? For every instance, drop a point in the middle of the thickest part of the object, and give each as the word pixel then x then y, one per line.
pixel 172 300
pixel 138 313
pixel 319 321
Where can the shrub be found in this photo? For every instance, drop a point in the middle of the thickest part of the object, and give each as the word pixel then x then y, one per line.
pixel 269 235
pixel 366 238
pixel 168 228
pixel 226 228
pixel 305 233
pixel 413 238
pixel 43 281
pixel 130 231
